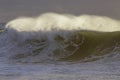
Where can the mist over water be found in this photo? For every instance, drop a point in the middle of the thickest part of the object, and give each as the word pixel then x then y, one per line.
pixel 55 46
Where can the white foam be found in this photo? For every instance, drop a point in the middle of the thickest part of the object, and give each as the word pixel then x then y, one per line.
pixel 50 24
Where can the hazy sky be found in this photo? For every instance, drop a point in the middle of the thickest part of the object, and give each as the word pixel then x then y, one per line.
pixel 10 9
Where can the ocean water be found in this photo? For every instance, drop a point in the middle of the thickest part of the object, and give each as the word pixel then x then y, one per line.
pixel 60 47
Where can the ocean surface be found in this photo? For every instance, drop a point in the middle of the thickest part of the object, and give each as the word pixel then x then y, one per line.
pixel 60 47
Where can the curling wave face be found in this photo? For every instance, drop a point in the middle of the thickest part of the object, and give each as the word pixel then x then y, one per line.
pixel 64 37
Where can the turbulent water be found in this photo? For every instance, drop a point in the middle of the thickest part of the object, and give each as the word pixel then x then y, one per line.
pixel 60 47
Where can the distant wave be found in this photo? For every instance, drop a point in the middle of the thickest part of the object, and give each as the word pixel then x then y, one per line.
pixel 65 37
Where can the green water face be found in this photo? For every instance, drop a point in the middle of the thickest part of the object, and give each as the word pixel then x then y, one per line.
pixel 76 47
pixel 86 44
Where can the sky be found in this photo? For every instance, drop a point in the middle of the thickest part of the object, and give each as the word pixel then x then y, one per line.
pixel 10 9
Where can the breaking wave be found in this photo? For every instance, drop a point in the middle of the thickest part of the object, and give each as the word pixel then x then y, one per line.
pixel 60 37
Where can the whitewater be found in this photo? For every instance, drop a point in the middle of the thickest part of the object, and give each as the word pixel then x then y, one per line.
pixel 56 46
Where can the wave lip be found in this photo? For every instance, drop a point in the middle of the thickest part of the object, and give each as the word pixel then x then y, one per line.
pixel 50 21
pixel 51 24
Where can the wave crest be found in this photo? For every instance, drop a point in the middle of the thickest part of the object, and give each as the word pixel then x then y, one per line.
pixel 49 24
